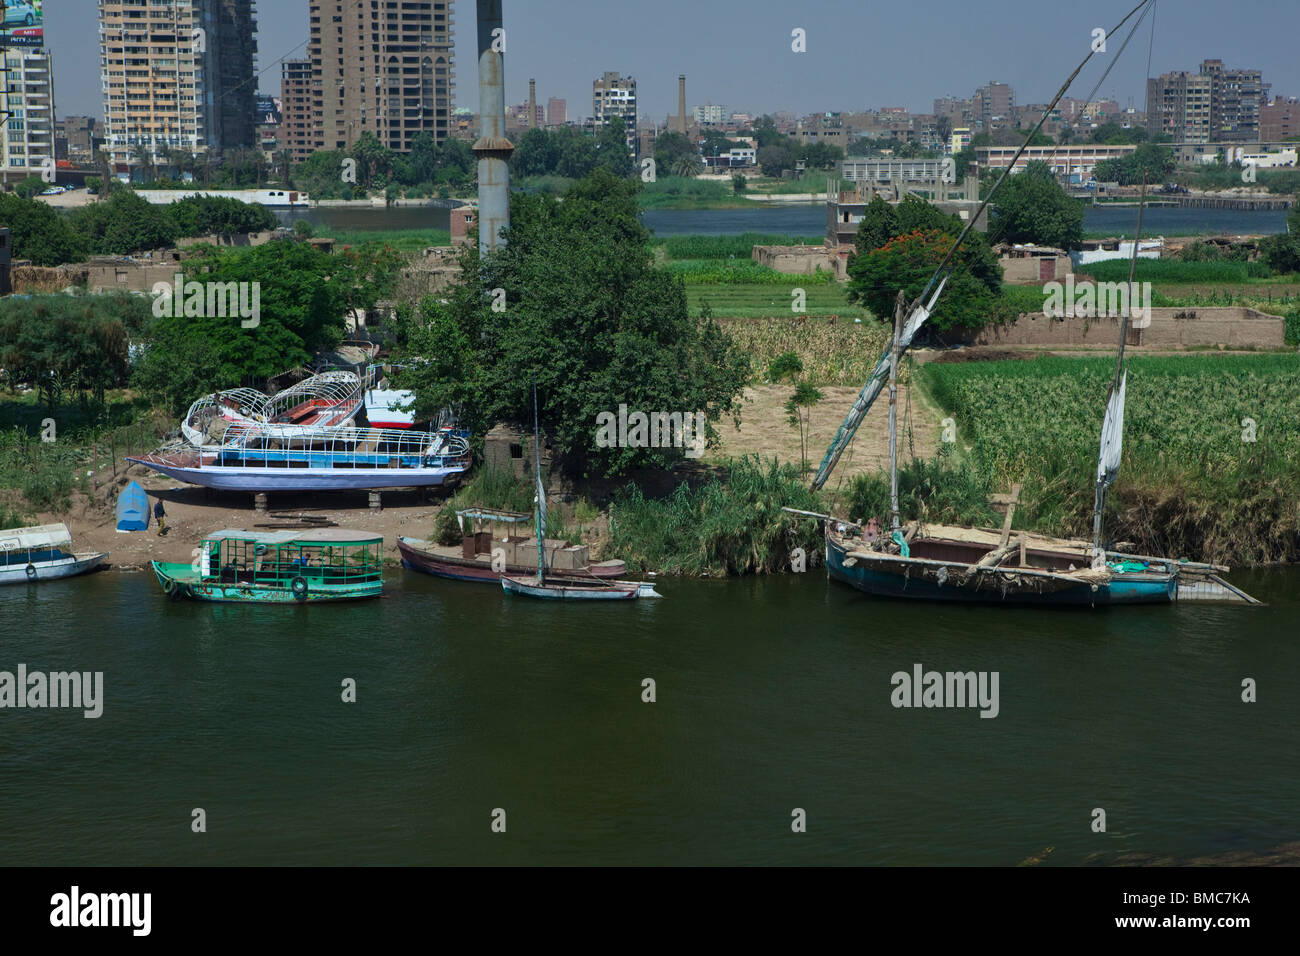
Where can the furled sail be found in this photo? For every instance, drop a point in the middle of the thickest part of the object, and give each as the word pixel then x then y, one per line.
pixel 1112 435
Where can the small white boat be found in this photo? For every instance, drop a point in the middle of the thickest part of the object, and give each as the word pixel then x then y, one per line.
pixel 384 407
pixel 28 555
pixel 570 589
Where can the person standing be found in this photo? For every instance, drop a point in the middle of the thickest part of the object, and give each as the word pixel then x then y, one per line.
pixel 160 514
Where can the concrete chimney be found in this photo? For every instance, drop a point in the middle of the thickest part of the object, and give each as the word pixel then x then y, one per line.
pixel 492 148
pixel 532 104
pixel 681 104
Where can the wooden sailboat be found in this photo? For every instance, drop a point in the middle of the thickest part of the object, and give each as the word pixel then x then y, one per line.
pixel 939 563
pixel 569 587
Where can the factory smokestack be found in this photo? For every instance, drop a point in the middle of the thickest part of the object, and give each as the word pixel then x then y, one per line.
pixel 532 104
pixel 493 149
pixel 681 103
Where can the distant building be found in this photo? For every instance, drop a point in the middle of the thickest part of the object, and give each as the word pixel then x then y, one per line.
pixel 1178 105
pixel 297 132
pixel 1063 160
pixel 615 95
pixel 1235 101
pixel 557 112
pixel 959 140
pixel 1214 105
pixel 27 138
pixel 710 115
pixel 176 75
pixel 389 72
pixel 1279 120
pixel 994 101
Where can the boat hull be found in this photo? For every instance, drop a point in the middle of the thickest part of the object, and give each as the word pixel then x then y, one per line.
pixel 235 478
pixel 893 576
pixel 570 590
pixel 52 570
pixel 180 581
pixel 454 568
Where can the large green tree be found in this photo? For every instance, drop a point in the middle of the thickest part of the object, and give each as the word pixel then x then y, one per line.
pixel 573 302
pixel 39 232
pixel 124 223
pixel 305 295
pixel 1032 207
pixel 970 300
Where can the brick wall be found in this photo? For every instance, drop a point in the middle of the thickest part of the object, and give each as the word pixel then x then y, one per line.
pixel 1233 327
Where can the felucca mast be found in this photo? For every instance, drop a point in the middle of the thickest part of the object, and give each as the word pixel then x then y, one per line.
pixel 1112 427
pixel 921 309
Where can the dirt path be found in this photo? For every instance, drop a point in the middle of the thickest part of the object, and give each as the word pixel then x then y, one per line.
pixel 766 431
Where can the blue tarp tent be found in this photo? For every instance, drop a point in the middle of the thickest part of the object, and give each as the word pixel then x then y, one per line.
pixel 132 509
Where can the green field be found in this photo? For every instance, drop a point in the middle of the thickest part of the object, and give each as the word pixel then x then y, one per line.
pixel 1191 483
pixel 744 300
pixel 403 240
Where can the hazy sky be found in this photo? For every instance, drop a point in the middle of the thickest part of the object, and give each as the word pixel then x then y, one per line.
pixel 861 53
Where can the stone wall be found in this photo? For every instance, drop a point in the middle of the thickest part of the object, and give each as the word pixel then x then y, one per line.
pixel 1233 327
pixel 794 260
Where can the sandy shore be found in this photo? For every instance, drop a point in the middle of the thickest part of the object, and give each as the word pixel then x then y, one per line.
pixel 193 512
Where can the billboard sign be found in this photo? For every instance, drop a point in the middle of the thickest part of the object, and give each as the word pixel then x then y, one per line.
pixel 21 23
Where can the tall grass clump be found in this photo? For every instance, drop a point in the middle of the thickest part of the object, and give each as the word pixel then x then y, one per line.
pixel 44 474
pixel 938 490
pixel 729 525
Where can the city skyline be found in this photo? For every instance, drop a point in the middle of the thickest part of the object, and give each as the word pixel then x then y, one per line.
pixel 722 55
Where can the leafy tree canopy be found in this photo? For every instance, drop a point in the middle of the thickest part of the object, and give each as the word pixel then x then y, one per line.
pixel 586 315
pixel 1032 207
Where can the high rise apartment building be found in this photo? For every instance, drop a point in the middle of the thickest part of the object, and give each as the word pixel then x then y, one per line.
pixel 615 95
pixel 557 112
pixel 297 132
pixel 1179 105
pixel 27 133
pixel 382 68
pixel 1214 105
pixel 176 75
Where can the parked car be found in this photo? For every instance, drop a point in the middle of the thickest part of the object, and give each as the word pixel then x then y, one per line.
pixel 54 191
pixel 20 13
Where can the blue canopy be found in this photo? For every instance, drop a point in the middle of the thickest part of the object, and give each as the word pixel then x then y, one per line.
pixel 132 509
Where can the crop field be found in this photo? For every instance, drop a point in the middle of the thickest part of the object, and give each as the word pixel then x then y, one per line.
pixel 741 272
pixel 754 299
pixel 1211 440
pixel 842 353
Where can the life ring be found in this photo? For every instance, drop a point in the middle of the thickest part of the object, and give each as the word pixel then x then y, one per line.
pixel 299 588
pixel 31 572
pixel 168 586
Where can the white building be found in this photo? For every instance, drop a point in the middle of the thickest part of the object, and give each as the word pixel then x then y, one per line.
pixel 27 97
pixel 615 95
pixel 709 115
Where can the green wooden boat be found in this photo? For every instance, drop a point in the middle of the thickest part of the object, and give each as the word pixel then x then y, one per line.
pixel 285 567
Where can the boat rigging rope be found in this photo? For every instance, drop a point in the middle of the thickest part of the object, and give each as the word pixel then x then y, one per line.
pixel 941 275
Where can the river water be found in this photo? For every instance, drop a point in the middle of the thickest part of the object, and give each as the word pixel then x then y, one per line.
pixel 772 695
pixel 806 219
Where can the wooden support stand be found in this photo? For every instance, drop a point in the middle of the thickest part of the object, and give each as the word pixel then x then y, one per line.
pixel 260 503
pixel 376 504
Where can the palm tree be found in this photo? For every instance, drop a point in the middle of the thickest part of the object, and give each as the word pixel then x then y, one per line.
pixel 688 166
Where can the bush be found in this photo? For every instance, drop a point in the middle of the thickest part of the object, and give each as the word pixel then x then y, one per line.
pixel 1293 328
pixel 937 490
pixel 448 531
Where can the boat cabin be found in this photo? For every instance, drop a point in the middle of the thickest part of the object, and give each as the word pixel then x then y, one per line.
pixel 324 557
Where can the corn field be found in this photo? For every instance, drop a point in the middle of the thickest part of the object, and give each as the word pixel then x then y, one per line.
pixel 842 353
pixel 1211 462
